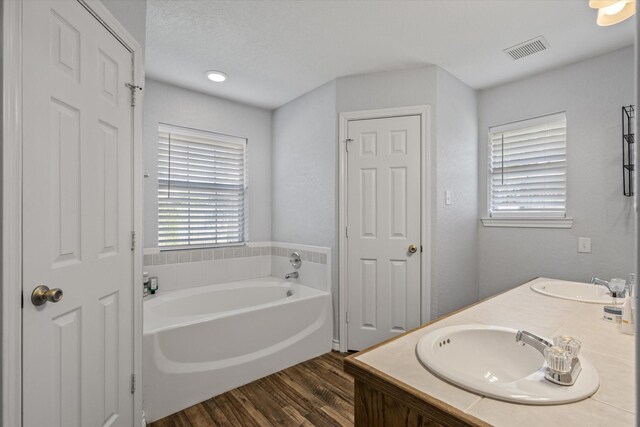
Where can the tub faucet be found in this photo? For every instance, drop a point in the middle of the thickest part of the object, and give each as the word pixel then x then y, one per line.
pixel 293 275
pixel 614 294
pixel 533 340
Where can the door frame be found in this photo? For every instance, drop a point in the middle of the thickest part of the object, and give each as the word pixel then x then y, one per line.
pixel 426 172
pixel 11 231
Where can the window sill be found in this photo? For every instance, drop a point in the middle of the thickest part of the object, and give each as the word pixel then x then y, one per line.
pixel 528 222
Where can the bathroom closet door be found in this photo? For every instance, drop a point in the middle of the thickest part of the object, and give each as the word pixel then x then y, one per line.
pixel 77 220
pixel 383 226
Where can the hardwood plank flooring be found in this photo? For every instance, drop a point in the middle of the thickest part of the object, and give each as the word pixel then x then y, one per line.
pixel 313 393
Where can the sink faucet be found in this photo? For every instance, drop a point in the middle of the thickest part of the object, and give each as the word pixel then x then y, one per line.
pixel 533 340
pixel 565 378
pixel 293 275
pixel 614 294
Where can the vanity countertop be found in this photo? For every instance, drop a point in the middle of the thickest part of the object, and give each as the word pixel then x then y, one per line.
pixel 611 352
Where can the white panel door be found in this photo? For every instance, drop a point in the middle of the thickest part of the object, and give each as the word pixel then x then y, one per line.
pixel 77 216
pixel 383 222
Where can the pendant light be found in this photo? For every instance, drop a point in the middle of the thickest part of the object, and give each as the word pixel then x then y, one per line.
pixel 611 12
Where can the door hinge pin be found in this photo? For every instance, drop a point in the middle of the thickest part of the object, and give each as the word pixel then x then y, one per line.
pixel 346 232
pixel 133 383
pixel 133 88
pixel 346 317
pixel 133 240
pixel 346 143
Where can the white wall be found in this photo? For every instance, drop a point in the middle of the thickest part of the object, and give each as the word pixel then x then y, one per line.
pixel 455 237
pixel 132 14
pixel 592 93
pixel 164 103
pixel 304 173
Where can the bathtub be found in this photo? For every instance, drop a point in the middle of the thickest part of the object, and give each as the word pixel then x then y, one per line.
pixel 201 342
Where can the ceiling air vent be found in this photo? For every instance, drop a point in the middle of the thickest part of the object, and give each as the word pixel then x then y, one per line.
pixel 527 48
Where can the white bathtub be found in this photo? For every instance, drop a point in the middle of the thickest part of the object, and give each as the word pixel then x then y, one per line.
pixel 201 342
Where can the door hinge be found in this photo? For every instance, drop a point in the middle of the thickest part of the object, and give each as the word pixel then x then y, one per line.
pixel 346 232
pixel 420 248
pixel 133 383
pixel 346 143
pixel 22 299
pixel 133 240
pixel 133 88
pixel 346 317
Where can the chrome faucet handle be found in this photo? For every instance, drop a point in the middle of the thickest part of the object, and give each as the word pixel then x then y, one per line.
pixel 568 344
pixel 558 359
pixel 562 368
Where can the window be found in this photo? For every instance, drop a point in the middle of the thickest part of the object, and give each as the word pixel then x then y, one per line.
pixel 201 188
pixel 528 168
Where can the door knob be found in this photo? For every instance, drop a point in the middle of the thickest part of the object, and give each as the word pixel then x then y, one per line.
pixel 413 249
pixel 41 294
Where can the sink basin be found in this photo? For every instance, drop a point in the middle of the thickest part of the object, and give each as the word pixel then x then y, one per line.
pixel 575 291
pixel 487 360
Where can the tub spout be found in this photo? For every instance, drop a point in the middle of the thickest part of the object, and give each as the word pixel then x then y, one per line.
pixel 293 275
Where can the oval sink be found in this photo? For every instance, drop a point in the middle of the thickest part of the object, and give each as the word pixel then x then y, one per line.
pixel 575 291
pixel 487 360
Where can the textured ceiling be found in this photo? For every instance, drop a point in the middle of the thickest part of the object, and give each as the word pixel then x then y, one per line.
pixel 274 51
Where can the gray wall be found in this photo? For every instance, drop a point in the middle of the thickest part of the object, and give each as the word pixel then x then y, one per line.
pixel 164 103
pixel 455 239
pixel 303 165
pixel 592 93
pixel 1 187
pixel 132 14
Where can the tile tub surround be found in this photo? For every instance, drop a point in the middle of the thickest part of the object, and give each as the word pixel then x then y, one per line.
pixel 315 270
pixel 187 268
pixel 610 351
pixel 196 255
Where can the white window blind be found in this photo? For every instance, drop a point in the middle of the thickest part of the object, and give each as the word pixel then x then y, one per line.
pixel 528 168
pixel 201 188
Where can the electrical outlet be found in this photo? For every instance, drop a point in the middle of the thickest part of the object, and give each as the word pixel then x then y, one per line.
pixel 584 245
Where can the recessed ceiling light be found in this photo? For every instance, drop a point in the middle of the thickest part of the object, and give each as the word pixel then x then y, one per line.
pixel 216 76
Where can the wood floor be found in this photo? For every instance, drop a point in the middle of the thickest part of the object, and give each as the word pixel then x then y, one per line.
pixel 314 393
